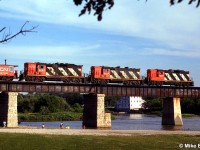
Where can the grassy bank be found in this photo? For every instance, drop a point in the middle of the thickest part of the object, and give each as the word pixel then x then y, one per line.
pixel 10 141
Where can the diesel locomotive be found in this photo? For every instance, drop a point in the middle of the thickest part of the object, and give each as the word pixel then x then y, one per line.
pixel 72 73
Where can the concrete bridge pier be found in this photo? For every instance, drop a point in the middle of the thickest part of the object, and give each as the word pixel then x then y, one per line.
pixel 172 112
pixel 8 109
pixel 94 115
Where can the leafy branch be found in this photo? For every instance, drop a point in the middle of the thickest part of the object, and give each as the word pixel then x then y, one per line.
pixel 99 6
pixel 173 2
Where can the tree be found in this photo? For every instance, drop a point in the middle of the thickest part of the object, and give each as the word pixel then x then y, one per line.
pixel 99 6
pixel 172 2
pixel 7 35
pixel 153 103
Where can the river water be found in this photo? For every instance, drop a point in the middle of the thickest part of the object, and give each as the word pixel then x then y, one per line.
pixel 128 122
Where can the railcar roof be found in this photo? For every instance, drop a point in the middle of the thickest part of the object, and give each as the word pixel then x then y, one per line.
pixel 61 64
pixel 8 65
pixel 118 67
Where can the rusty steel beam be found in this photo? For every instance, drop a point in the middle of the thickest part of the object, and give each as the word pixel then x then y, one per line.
pixel 110 89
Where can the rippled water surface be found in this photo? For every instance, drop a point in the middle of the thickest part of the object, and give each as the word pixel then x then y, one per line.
pixel 128 122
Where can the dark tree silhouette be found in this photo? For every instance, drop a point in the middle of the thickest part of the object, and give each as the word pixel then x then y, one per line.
pixel 99 6
pixel 7 35
pixel 172 2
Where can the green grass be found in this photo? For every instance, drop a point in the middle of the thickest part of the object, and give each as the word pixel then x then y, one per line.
pixel 12 141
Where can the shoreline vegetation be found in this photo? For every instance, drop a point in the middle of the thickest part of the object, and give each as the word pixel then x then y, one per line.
pixel 69 107
pixel 74 116
pixel 60 116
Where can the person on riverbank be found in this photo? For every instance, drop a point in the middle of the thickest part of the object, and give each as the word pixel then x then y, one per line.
pixel 43 126
pixel 61 125
pixel 4 124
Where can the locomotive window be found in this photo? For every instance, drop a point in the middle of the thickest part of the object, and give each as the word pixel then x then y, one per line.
pixel 10 69
pixel 105 70
pixel 41 67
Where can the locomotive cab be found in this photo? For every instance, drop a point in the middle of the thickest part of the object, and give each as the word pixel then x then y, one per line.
pixel 34 72
pixel 8 72
pixel 100 72
pixel 155 77
pixel 32 69
pixel 155 74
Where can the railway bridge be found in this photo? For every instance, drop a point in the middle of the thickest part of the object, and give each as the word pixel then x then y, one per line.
pixel 94 111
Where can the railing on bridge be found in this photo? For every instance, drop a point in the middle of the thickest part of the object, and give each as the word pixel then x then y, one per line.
pixel 110 89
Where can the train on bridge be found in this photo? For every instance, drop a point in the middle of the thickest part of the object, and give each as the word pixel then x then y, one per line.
pixel 72 73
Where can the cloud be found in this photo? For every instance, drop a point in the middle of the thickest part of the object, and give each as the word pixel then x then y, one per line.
pixel 171 52
pixel 175 27
pixel 46 53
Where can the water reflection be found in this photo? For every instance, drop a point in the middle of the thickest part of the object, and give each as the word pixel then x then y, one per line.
pixel 171 127
pixel 128 122
pixel 136 116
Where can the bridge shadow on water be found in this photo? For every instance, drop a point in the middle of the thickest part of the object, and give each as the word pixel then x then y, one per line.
pixel 171 127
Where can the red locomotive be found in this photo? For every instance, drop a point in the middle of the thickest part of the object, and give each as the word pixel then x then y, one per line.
pixel 7 72
pixel 127 76
pixel 71 73
pixel 39 72
pixel 168 77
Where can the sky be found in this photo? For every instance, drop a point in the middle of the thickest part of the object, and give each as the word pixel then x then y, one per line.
pixel 137 34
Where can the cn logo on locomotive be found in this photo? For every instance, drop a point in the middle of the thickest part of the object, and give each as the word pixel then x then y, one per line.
pixel 4 69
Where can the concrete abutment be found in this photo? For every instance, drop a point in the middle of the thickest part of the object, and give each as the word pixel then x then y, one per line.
pixel 94 115
pixel 8 109
pixel 172 112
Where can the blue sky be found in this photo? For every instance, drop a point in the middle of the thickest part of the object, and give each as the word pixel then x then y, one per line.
pixel 133 33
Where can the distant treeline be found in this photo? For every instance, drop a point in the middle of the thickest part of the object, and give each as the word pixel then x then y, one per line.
pixel 56 107
pixel 188 105
pixel 53 107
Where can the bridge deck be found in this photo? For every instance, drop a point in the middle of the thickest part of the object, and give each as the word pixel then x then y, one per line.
pixel 110 89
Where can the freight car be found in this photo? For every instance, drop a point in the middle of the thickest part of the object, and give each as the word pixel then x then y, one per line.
pixel 40 72
pixel 8 72
pixel 104 75
pixel 168 77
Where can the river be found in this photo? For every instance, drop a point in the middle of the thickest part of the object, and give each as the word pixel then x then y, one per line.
pixel 128 122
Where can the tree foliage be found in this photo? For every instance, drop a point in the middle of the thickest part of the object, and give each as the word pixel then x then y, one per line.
pixel 153 103
pixel 190 105
pixel 99 6
pixel 110 101
pixel 42 103
pixel 172 2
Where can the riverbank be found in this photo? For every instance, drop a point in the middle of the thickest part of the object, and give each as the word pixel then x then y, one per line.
pixel 95 132
pixel 57 139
